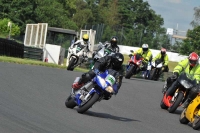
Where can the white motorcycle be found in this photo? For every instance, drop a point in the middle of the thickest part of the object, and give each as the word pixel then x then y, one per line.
pixel 77 56
pixel 156 70
pixel 101 52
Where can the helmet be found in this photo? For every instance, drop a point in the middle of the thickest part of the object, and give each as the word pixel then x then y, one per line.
pixel 145 47
pixel 117 59
pixel 85 37
pixel 193 58
pixel 163 51
pixel 113 41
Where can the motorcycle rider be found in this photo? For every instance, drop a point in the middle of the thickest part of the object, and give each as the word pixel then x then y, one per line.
pixel 84 42
pixel 146 53
pixel 111 46
pixel 112 63
pixel 188 65
pixel 163 57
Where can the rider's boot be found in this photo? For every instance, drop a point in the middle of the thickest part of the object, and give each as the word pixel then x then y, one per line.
pixel 77 83
pixel 165 87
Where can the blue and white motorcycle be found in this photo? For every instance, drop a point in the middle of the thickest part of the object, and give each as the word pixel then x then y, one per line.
pixel 102 85
pixel 146 74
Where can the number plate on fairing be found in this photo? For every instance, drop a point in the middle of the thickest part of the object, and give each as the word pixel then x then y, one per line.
pixel 110 79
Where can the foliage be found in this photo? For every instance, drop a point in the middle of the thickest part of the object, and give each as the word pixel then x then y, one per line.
pixel 196 21
pixel 133 22
pixel 192 43
pixel 5 29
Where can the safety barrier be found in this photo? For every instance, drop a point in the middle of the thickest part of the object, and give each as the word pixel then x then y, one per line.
pixel 33 53
pixel 11 48
pixel 14 49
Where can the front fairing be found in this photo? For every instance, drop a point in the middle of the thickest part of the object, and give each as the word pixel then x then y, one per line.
pixel 79 48
pixel 187 80
pixel 100 53
pixel 157 64
pixel 135 60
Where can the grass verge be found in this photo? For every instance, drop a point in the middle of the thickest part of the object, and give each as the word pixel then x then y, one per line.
pixel 40 63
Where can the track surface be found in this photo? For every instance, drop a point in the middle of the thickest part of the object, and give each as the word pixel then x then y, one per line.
pixel 32 101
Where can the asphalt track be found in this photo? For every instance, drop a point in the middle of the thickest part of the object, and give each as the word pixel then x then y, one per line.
pixel 32 101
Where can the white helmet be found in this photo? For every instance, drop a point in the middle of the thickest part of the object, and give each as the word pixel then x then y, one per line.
pixel 145 47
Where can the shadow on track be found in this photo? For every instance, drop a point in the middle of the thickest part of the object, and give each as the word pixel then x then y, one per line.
pixel 108 116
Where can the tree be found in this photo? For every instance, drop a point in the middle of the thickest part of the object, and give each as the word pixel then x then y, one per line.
pixel 4 28
pixel 196 21
pixel 192 42
pixel 83 14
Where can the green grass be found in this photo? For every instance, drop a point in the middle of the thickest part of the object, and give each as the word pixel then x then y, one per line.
pixel 40 63
pixel 35 62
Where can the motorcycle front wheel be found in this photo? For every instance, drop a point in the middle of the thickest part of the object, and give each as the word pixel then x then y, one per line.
pixel 71 64
pixel 152 74
pixel 89 103
pixel 196 123
pixel 129 72
pixel 176 103
pixel 183 119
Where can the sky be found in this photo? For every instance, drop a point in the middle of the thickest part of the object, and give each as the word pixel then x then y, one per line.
pixel 177 14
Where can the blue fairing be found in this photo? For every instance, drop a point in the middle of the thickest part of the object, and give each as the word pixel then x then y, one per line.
pixel 99 79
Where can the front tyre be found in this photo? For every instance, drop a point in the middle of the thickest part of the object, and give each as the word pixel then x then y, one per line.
pixel 71 64
pixel 196 123
pixel 178 99
pixel 129 72
pixel 89 104
pixel 69 103
pixel 152 74
pixel 183 119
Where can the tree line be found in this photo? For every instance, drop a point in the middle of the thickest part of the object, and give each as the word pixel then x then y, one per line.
pixel 133 22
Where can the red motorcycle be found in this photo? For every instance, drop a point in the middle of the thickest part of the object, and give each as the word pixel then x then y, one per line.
pixel 134 65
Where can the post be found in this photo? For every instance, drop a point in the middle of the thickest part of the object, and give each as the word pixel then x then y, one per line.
pixel 9 25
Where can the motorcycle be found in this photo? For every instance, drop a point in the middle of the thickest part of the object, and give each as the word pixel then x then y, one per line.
pixel 134 65
pixel 77 56
pixel 156 70
pixel 192 114
pixel 101 52
pixel 184 84
pixel 146 74
pixel 101 86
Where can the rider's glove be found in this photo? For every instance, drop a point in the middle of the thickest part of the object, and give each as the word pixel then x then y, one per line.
pixel 174 76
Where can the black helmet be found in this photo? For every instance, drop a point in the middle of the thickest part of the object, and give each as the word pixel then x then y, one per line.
pixel 117 59
pixel 113 41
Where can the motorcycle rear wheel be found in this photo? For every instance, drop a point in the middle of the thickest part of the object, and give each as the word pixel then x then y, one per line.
pixel 183 119
pixel 176 103
pixel 69 103
pixel 89 104
pixel 71 64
